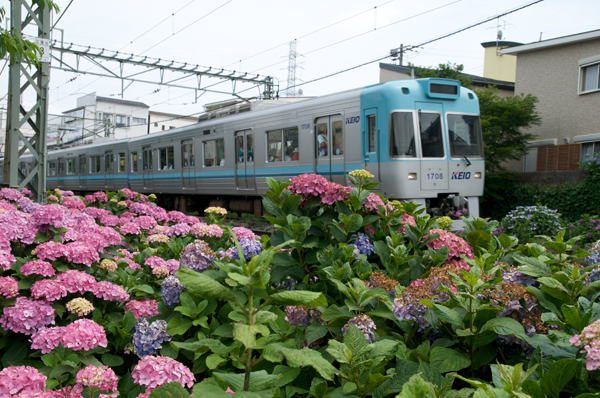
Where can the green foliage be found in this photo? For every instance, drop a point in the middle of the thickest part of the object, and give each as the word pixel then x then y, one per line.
pixel 445 71
pixel 528 222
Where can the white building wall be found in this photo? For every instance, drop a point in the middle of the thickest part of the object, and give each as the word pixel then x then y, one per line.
pixel 128 121
pixel 165 121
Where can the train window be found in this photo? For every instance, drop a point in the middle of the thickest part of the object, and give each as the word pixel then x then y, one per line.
pixel 134 162
pixel 239 144
pixel 322 139
pixel 214 153
pixel 249 144
pixel 338 138
pixel 51 168
pixel 402 135
pixel 166 158
pixel 82 165
pixel 147 158
pixel 372 137
pixel 61 167
pixel 432 141
pixel 187 154
pixel 282 145
pixel 71 167
pixel 121 161
pixel 95 164
pixel 465 135
pixel 109 162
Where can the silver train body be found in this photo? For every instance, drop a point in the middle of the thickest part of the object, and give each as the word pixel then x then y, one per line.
pixel 388 129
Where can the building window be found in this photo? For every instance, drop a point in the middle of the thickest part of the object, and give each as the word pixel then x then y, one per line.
pixel 163 127
pixel 214 153
pixel 282 145
pixel 165 159
pixel 171 127
pixel 589 78
pixel 155 124
pixel 122 121
pixel 139 120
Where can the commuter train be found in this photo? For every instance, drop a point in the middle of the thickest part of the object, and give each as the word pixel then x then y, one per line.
pixel 421 139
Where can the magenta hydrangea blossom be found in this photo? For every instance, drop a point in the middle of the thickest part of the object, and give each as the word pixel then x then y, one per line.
pixel 10 194
pixel 155 261
pixel 38 267
pixel 50 250
pixel 77 281
pixel 47 339
pixel 243 233
pixel 52 214
pixel 179 229
pixel 110 220
pixel 84 334
pixel 589 340
pixel 6 205
pixel 143 308
pixel 145 222
pixel 20 379
pixel 110 292
pixel 6 260
pixel 48 289
pixel 456 245
pixel 101 377
pixel 9 287
pixel 176 217
pixel 154 371
pixel 81 253
pixel 27 315
pixel 130 228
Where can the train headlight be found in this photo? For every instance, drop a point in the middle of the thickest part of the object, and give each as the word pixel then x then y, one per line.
pixel 412 176
pixel 478 175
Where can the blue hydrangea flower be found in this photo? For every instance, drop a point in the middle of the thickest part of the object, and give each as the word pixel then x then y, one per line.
pixel 148 338
pixel 171 289
pixel 249 247
pixel 363 244
pixel 197 256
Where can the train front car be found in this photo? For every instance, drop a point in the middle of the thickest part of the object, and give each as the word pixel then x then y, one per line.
pixel 422 140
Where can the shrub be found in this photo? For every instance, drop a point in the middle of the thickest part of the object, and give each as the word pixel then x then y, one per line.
pixel 527 222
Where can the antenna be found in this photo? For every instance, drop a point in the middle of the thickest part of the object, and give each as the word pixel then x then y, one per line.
pixel 499 37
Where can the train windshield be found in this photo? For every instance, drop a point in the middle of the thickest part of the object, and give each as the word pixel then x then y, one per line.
pixel 465 136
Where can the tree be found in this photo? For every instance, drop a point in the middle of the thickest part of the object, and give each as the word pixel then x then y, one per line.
pixel 15 46
pixel 502 118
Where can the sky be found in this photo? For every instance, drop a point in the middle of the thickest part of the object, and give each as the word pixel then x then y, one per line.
pixel 254 36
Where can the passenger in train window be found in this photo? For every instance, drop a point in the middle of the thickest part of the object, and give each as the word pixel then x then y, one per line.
pixel 241 153
pixel 295 154
pixel 272 154
pixel 278 155
pixel 433 149
pixel 322 145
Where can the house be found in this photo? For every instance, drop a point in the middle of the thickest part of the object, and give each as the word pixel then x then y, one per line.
pixel 103 117
pixel 160 121
pixel 564 74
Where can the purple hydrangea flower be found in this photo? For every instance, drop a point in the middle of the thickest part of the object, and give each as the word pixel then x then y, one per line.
pixel 147 338
pixel 171 289
pixel 249 248
pixel 363 244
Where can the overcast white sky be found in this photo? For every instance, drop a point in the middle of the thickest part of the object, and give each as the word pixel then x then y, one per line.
pixel 254 35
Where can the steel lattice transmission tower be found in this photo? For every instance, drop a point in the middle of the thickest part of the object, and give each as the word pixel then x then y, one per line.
pixel 23 14
pixel 291 80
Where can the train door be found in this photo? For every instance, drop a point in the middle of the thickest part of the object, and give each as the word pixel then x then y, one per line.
pixel 109 170
pixel 82 171
pixel 244 163
pixel 147 167
pixel 330 148
pixel 371 144
pixel 188 160
pixel 61 173
pixel 434 167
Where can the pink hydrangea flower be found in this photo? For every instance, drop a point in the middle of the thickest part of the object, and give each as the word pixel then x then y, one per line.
pixel 160 272
pixel 243 233
pixel 154 371
pixel 109 291
pixel 10 194
pixel 73 203
pixel 27 315
pixel 101 377
pixel 6 260
pixel 52 214
pixel 48 289
pixel 176 217
pixel 178 230
pixel 38 267
pixel 406 219
pixel 158 238
pixel 9 287
pixel 172 265
pixel 50 250
pixel 110 220
pixel 81 253
pixel 155 261
pixel 84 334
pixel 47 339
pixel 143 308
pixel 20 379
pixel 77 281
pixel 456 246
pixel 130 228
pixel 203 230
pixel 589 340
pixel 145 222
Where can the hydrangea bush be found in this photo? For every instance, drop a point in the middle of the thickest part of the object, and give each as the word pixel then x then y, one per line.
pixel 353 295
pixel 527 222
